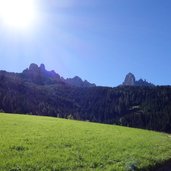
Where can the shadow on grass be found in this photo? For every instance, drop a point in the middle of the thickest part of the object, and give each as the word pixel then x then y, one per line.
pixel 166 166
pixel 18 148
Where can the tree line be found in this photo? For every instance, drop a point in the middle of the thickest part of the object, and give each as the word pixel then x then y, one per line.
pixel 141 107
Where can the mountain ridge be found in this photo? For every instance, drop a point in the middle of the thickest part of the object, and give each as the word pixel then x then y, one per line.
pixel 39 75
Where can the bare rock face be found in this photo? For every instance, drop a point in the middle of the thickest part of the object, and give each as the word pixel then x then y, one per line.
pixel 33 67
pixel 129 80
pixel 39 75
pixel 42 67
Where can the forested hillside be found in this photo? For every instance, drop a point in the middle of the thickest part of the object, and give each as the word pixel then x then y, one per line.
pixel 135 106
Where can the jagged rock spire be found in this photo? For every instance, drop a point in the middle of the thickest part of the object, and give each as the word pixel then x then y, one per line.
pixel 129 80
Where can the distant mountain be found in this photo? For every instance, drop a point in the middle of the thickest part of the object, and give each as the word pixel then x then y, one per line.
pixel 130 80
pixel 41 76
pixel 78 82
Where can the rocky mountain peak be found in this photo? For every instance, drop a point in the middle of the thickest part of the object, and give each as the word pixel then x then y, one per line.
pixel 42 67
pixel 39 75
pixel 78 82
pixel 33 67
pixel 129 80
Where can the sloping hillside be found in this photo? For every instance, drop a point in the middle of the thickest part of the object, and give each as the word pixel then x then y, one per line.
pixel 42 143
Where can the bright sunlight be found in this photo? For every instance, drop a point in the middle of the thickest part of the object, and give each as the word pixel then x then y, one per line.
pixel 17 14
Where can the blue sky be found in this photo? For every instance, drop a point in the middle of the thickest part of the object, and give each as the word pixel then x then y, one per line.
pixel 98 40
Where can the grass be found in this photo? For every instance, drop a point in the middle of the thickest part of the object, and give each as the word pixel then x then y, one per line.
pixel 33 143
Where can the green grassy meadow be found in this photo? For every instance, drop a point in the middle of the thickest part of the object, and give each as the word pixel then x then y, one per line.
pixel 33 143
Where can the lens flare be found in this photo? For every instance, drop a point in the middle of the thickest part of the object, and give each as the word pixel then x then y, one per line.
pixel 17 14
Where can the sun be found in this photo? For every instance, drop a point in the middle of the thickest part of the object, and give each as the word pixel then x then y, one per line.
pixel 17 14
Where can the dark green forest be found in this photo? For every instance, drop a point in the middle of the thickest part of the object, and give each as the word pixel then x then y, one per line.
pixel 134 106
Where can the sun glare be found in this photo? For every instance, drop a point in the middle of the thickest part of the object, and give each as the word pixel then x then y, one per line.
pixel 17 14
